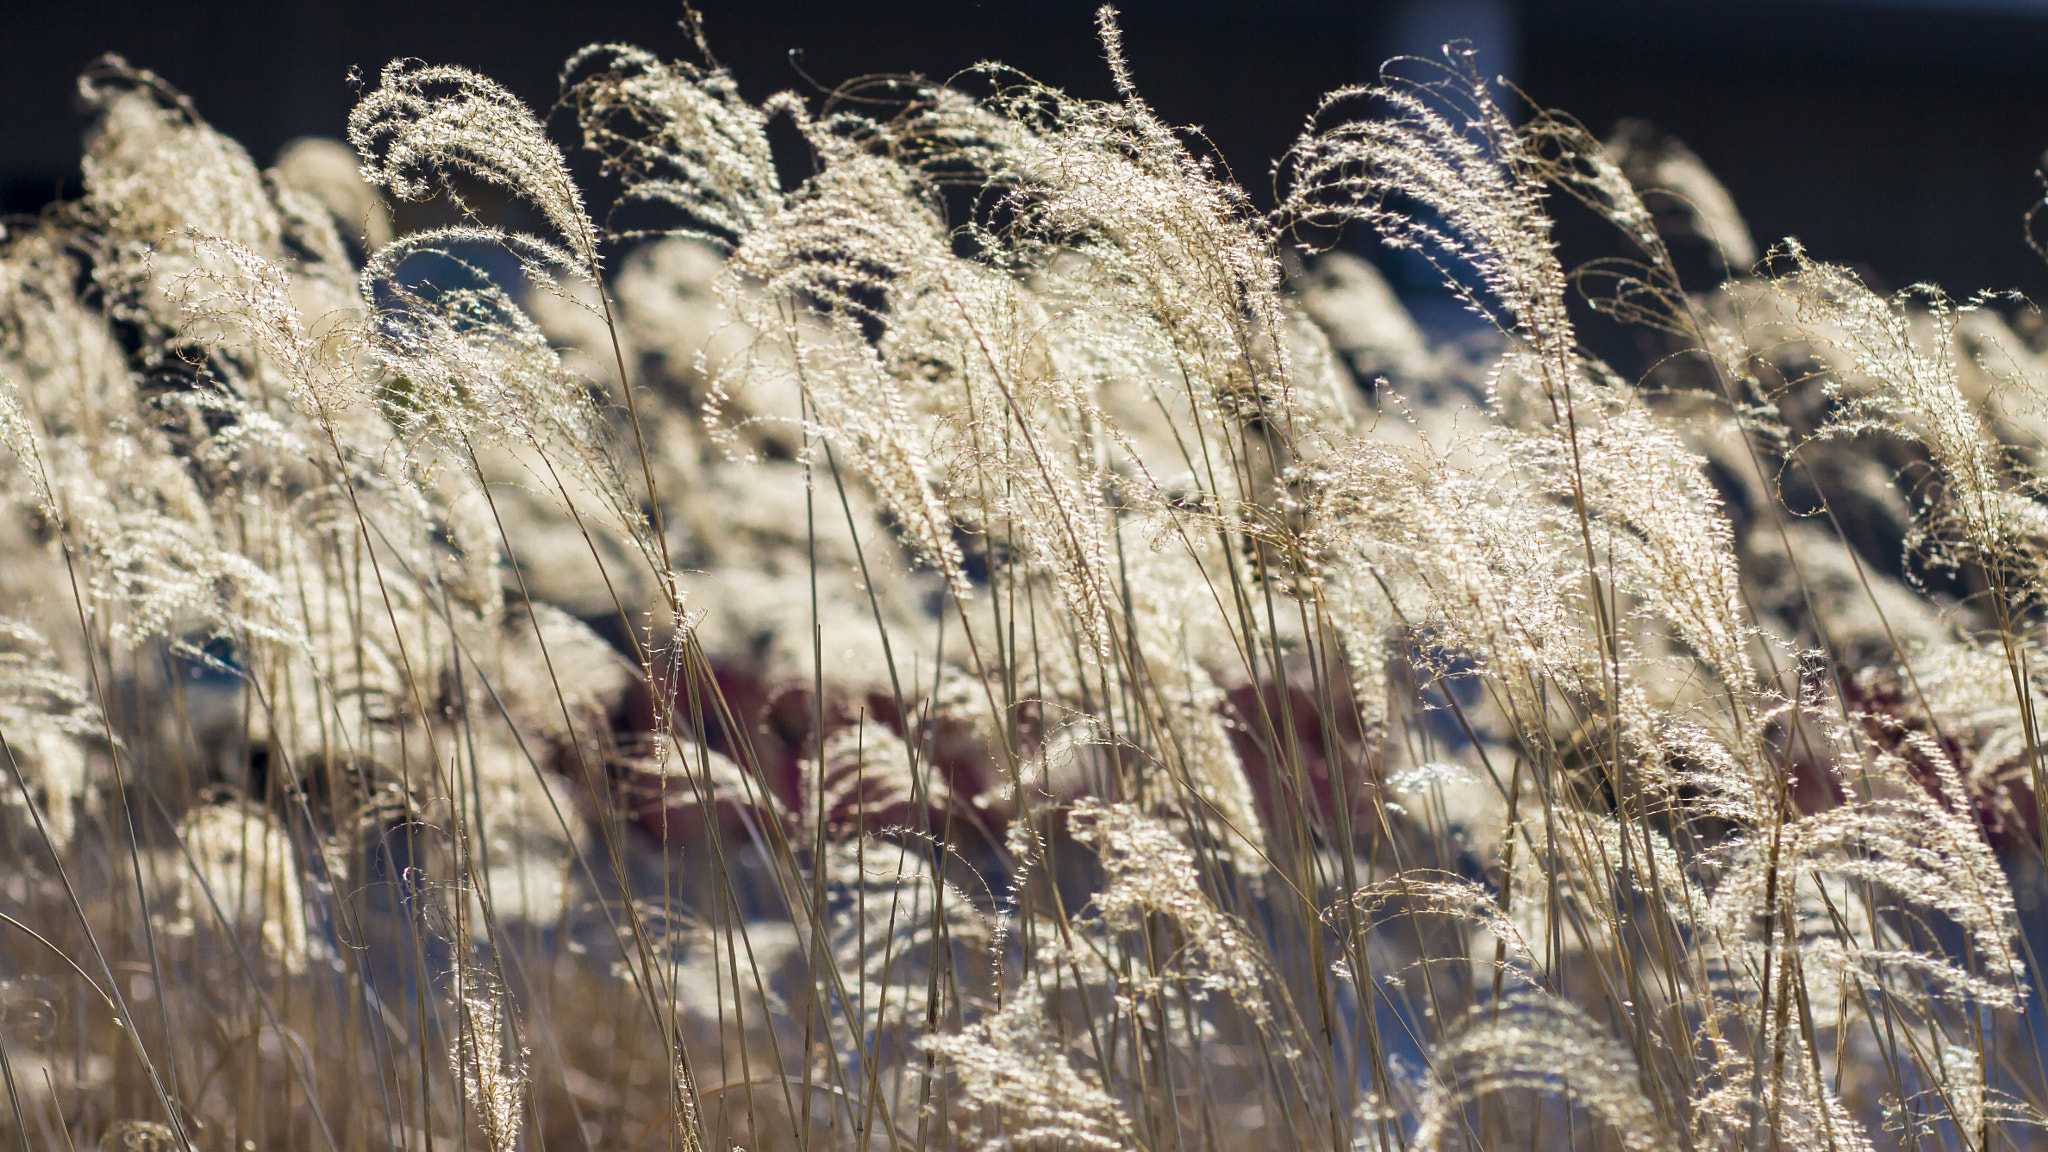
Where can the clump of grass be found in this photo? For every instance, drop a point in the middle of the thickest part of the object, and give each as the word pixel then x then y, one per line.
pixel 944 650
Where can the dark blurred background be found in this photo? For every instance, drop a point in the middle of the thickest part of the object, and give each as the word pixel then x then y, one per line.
pixel 1901 137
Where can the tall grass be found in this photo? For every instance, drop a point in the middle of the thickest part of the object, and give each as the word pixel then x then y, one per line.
pixel 956 629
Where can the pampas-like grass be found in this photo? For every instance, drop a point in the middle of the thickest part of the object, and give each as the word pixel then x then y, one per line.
pixel 943 645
